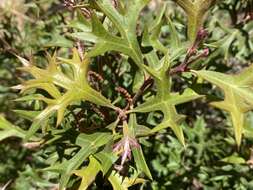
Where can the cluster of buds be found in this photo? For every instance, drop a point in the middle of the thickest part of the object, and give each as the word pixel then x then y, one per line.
pixel 96 76
pixel 124 146
pixel 125 93
pixel 201 36
pixel 95 79
pixel 193 53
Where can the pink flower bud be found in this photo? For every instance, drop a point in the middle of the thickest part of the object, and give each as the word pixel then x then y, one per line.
pixel 205 52
pixel 202 34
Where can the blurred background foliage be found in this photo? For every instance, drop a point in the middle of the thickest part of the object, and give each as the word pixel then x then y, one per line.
pixel 210 160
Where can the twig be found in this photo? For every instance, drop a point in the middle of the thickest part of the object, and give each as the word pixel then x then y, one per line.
pixel 202 34
pixel 6 185
pixel 122 113
pixel 147 83
pixel 9 48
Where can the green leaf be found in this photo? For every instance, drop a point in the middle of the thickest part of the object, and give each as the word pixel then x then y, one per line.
pixel 30 115
pixel 137 151
pixel 9 130
pixel 138 81
pixel 141 162
pixel 125 23
pixel 81 23
pixel 153 60
pixel 59 41
pixel 238 95
pixel 106 159
pixel 196 11
pixel 123 183
pixel 151 34
pixel 69 166
pixel 166 101
pixel 40 120
pixel 89 144
pixel 175 40
pixel 223 46
pixel 52 78
pixel 234 160
pixel 89 173
pixel 95 139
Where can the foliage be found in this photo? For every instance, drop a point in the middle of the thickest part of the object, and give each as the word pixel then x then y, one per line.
pixel 130 108
pixel 209 162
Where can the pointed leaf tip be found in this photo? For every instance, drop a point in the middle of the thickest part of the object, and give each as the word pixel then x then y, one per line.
pixel 25 62
pixel 17 87
pixel 238 95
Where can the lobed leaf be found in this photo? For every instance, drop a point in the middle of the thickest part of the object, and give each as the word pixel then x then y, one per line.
pixel 89 144
pixel 125 23
pixel 52 78
pixel 196 11
pixel 89 173
pixel 238 95
pixel 9 130
pixel 123 183
pixel 166 101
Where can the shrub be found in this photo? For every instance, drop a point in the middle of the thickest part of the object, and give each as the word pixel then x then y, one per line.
pixel 137 77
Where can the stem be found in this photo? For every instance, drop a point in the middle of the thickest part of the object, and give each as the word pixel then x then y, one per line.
pixel 184 66
pixel 147 83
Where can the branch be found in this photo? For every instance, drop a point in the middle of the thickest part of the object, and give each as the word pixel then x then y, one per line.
pixel 147 83
pixel 202 34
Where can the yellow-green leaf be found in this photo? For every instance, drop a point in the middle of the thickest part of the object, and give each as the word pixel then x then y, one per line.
pixel 52 79
pixel 166 102
pixel 238 95
pixel 123 183
pixel 89 173
pixel 196 11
